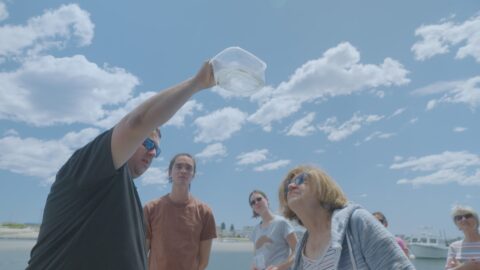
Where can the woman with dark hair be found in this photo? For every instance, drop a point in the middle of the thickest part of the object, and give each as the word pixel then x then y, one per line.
pixel 274 237
pixel 465 254
pixel 340 235
pixel 383 219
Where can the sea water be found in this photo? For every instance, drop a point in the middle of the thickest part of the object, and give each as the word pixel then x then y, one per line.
pixel 14 255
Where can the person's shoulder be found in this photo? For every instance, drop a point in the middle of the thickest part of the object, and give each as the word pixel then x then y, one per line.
pixel 354 212
pixel 361 218
pixel 456 244
pixel 280 219
pixel 201 204
pixel 361 214
pixel 155 202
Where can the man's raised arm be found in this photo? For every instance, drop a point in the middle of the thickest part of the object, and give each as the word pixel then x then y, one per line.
pixel 129 133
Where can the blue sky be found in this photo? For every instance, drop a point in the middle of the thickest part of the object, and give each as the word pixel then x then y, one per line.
pixel 383 95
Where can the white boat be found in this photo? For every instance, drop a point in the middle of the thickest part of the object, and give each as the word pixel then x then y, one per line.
pixel 428 245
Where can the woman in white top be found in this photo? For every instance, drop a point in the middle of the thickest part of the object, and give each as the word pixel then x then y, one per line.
pixel 274 237
pixel 465 254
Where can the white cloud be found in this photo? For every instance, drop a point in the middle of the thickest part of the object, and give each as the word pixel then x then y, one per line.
pixel 303 127
pixel 212 151
pixel 219 125
pixel 439 38
pixel 154 176
pixel 466 92
pixel 3 11
pixel 398 112
pixel 37 158
pixel 459 129
pixel 448 167
pixel 272 165
pixel 274 110
pixel 338 72
pixel 113 116
pixel 397 158
pixel 338 132
pixel 178 120
pixel 81 90
pixel 78 139
pixel 50 30
pixel 379 135
pixel 252 157
pixel 413 120
pixel 10 132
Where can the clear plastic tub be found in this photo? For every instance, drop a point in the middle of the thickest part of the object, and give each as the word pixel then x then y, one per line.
pixel 239 71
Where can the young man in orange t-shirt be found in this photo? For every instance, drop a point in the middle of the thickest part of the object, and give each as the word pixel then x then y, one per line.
pixel 180 228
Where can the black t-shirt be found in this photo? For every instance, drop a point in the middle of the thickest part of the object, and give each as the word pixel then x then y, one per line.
pixel 93 217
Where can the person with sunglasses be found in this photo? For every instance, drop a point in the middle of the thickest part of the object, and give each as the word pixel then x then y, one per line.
pixel 93 217
pixel 274 237
pixel 339 234
pixel 180 228
pixel 383 220
pixel 465 254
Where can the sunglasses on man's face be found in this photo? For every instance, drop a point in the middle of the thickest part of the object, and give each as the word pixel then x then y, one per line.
pixel 255 201
pixel 149 144
pixel 300 179
pixel 460 217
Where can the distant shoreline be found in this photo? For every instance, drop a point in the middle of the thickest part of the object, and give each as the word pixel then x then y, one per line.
pixel 27 233
pixel 232 244
pixel 219 244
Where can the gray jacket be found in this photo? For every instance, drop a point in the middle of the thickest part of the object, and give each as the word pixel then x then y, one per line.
pixel 362 243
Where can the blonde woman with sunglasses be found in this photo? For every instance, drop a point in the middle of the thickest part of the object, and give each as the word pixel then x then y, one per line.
pixel 274 237
pixel 340 235
pixel 465 254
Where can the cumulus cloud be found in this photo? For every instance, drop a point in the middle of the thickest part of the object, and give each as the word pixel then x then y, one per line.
pixel 213 151
pixel 81 90
pixel 303 127
pixel 76 140
pixel 460 167
pixel 338 72
pixel 40 158
pixel 457 92
pixel 114 115
pixel 3 11
pixel 440 38
pixel 219 125
pixel 252 157
pixel 178 120
pixel 338 132
pixel 272 165
pixel 188 109
pixel 50 30
pixel 155 176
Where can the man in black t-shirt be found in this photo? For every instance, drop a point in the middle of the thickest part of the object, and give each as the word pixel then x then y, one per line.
pixel 93 217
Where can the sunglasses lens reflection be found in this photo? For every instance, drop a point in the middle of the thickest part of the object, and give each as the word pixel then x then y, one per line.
pixel 300 179
pixel 149 144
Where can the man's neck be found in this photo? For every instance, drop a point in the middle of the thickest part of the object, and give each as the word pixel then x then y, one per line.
pixel 179 194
